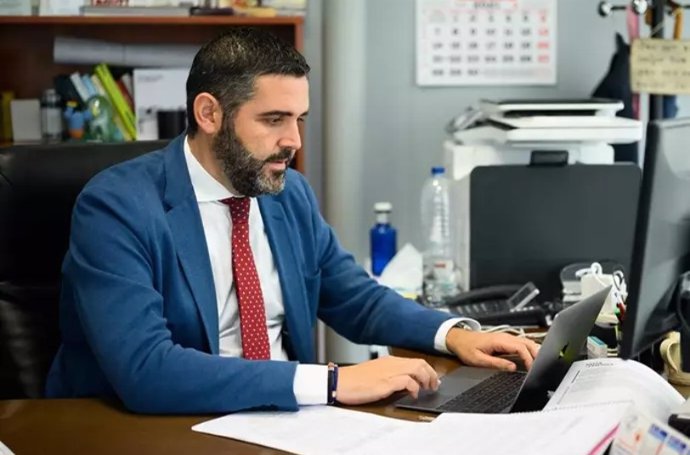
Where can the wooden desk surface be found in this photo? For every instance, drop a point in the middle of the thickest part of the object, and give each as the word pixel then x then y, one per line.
pixel 93 426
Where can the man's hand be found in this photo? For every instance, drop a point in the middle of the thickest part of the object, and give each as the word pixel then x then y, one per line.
pixel 480 349
pixel 379 378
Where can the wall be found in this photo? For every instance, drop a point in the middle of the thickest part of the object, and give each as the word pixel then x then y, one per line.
pixel 382 133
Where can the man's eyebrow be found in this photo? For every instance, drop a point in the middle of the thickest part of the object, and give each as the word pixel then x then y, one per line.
pixel 281 114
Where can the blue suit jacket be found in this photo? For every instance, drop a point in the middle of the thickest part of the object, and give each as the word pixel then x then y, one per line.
pixel 138 310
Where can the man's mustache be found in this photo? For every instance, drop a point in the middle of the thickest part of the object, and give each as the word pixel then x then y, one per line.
pixel 283 155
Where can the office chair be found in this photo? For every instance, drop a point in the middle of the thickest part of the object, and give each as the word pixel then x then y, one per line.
pixel 38 187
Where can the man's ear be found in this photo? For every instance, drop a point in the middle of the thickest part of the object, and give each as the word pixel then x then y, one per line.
pixel 208 113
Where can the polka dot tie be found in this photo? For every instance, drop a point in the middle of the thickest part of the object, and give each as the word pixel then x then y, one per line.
pixel 253 329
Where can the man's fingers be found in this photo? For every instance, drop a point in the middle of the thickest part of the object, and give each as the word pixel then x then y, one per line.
pixel 418 369
pixel 424 375
pixel 524 354
pixel 404 382
pixel 488 361
pixel 516 346
pixel 533 348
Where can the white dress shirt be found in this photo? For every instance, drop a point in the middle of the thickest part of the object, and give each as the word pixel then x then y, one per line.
pixel 310 384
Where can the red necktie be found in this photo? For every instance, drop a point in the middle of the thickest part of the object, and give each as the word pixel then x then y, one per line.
pixel 250 300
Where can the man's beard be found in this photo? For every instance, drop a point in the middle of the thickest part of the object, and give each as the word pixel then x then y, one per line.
pixel 245 172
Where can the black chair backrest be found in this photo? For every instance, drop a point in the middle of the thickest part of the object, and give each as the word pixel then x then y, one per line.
pixel 38 187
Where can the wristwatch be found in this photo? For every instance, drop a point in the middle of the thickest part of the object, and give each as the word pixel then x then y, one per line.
pixel 463 325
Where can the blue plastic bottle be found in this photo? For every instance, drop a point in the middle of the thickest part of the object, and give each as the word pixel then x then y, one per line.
pixel 382 238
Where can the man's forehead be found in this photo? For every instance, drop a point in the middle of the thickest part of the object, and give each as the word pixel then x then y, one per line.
pixel 281 93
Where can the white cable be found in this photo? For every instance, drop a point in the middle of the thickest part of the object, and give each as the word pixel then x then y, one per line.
pixel 505 328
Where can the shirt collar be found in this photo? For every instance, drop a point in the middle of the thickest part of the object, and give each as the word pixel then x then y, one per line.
pixel 206 188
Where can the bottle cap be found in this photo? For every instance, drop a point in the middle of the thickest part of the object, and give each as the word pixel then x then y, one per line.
pixel 383 207
pixel 436 170
pixel 51 96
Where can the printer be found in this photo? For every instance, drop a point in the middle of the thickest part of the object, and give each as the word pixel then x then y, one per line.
pixel 514 132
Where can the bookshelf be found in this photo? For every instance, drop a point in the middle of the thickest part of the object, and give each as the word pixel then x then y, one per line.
pixel 26 42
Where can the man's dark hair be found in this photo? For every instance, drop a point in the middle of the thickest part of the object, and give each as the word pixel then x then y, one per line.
pixel 227 68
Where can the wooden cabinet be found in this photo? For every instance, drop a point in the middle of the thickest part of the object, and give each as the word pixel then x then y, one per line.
pixel 26 42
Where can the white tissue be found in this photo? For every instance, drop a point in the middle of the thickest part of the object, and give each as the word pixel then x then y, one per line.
pixel 404 272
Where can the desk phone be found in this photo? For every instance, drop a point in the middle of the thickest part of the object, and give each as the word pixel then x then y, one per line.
pixel 506 304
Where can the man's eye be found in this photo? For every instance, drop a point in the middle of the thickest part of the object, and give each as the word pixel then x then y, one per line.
pixel 273 120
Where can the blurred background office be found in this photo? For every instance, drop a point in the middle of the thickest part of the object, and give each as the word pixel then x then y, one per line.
pixel 382 132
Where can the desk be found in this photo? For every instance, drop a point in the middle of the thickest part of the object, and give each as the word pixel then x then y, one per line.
pixel 94 426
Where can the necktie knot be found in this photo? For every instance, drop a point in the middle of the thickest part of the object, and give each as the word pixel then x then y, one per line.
pixel 239 209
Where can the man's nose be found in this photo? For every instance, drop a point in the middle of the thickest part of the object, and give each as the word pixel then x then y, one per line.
pixel 291 137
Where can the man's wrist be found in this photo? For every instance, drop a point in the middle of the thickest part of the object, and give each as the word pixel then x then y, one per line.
pixel 441 338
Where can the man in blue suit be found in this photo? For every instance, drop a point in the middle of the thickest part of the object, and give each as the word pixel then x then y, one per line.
pixel 195 274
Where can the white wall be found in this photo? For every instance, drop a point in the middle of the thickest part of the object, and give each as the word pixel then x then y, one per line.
pixel 382 133
pixel 387 153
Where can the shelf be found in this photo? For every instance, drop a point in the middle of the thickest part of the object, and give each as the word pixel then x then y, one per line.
pixel 26 42
pixel 151 20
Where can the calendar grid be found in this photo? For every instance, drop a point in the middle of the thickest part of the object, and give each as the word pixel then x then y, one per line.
pixel 499 42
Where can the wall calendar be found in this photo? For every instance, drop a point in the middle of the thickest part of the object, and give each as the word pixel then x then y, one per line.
pixel 491 42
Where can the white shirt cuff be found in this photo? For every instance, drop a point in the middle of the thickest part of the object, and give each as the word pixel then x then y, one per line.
pixel 442 332
pixel 311 384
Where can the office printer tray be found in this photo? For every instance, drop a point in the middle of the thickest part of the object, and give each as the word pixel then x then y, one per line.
pixel 559 129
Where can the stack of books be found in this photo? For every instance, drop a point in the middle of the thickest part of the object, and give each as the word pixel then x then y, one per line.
pixel 81 87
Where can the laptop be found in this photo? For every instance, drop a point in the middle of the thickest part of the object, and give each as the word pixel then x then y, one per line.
pixel 489 391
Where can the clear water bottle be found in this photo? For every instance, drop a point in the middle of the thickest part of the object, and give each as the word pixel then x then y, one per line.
pixel 382 238
pixel 51 116
pixel 439 268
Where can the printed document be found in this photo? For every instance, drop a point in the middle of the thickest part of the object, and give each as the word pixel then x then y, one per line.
pixel 597 381
pixel 573 431
pixel 581 418
pixel 325 429
pixel 312 430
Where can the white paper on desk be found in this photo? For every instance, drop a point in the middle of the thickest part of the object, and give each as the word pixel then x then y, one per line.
pixel 574 431
pixel 4 450
pixel 313 430
pixel 595 381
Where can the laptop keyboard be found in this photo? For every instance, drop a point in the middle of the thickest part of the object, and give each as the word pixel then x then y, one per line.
pixel 491 396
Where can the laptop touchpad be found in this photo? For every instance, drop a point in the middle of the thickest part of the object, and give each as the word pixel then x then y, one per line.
pixel 452 385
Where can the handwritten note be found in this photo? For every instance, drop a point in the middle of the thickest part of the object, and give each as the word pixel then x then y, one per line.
pixel 660 66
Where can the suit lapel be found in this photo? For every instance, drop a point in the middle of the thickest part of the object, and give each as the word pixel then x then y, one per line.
pixel 291 281
pixel 188 233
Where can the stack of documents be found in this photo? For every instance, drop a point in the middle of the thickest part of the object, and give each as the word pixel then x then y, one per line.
pixel 581 418
pixel 324 429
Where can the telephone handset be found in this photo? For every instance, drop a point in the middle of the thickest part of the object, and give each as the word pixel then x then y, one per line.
pixel 502 304
pixel 496 292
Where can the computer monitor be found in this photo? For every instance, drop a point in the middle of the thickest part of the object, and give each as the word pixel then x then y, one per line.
pixel 528 222
pixel 661 250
